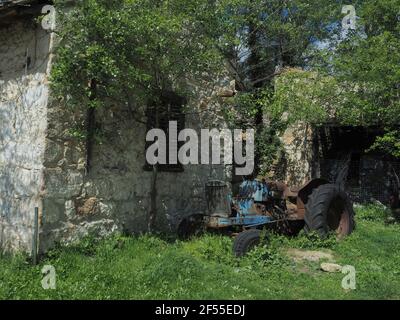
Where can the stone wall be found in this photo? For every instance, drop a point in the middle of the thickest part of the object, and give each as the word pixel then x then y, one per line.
pixel 299 158
pixel 24 58
pixel 43 165
pixel 115 194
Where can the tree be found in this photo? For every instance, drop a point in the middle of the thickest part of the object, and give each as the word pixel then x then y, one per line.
pixel 123 52
pixel 354 79
pixel 128 50
pixel 266 37
pixel 371 62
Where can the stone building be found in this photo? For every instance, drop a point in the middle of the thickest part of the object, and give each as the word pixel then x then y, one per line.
pixel 341 155
pixel 42 165
pixel 24 63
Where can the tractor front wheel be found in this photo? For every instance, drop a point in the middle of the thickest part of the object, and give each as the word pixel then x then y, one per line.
pixel 245 241
pixel 329 209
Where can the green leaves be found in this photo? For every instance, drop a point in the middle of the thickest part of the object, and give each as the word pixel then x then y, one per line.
pixel 389 143
pixel 304 95
pixel 354 81
pixel 136 48
pixel 131 48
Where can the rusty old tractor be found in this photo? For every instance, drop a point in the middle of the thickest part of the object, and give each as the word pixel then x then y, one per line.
pixel 318 206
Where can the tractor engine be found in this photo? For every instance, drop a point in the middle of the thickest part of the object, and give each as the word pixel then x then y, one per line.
pixel 248 208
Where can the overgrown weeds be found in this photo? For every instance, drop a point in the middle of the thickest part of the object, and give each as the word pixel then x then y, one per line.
pixel 154 267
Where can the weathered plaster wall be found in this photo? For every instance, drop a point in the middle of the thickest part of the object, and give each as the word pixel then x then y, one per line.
pixel 24 56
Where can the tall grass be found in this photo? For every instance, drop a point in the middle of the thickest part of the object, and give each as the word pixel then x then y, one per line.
pixel 150 267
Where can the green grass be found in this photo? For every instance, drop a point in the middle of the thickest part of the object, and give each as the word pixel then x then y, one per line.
pixel 149 267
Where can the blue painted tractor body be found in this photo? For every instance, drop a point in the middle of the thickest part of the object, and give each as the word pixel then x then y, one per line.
pixel 243 210
pixel 317 206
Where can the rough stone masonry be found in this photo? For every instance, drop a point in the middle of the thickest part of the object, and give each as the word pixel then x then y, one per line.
pixel 24 59
pixel 42 165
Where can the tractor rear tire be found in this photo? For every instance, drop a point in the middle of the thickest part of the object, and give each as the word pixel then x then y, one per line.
pixel 329 209
pixel 245 241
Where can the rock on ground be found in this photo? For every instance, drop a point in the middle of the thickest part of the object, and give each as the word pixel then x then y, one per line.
pixel 331 267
